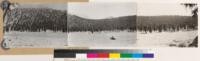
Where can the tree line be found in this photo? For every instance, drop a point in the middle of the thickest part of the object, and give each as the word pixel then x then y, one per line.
pixel 43 19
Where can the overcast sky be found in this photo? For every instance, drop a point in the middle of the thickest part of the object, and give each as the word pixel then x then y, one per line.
pixel 105 10
pixel 102 10
pixel 154 9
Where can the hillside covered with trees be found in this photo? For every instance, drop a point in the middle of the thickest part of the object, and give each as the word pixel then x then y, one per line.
pixel 43 19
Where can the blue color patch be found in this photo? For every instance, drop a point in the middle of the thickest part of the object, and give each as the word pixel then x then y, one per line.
pixel 148 55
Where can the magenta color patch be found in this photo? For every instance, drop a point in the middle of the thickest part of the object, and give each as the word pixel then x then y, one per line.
pixel 92 55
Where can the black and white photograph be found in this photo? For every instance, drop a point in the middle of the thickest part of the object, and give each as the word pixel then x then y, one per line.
pixel 102 24
pixel 167 25
pixel 35 25
pixel 83 24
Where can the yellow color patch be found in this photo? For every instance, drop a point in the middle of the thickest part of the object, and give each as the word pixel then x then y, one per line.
pixel 114 55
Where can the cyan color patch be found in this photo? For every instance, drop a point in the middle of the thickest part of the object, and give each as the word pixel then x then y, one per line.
pixel 137 55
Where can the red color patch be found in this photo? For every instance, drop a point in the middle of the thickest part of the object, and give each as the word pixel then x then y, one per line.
pixel 103 55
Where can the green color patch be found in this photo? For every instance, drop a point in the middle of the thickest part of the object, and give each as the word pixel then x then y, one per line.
pixel 126 55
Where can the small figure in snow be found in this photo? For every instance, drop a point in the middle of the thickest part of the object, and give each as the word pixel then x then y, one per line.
pixel 113 38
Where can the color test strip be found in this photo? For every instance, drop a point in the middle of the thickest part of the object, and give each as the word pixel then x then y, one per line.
pixel 120 55
pixel 100 53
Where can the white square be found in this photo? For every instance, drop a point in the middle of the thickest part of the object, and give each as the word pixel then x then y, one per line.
pixel 81 56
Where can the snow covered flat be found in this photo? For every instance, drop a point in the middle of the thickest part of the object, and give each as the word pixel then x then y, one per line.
pixel 35 39
pixel 163 39
pixel 98 39
pixel 102 39
pixel 131 39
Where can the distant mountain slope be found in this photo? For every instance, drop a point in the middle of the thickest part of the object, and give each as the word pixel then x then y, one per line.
pixel 35 19
pixel 42 19
pixel 166 23
pixel 76 23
